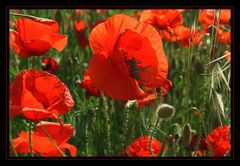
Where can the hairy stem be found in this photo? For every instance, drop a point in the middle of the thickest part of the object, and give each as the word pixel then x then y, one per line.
pixel 150 141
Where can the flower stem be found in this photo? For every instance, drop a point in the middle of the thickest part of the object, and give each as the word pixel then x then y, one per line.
pixel 13 148
pixel 33 61
pixel 125 126
pixel 107 129
pixel 15 62
pixel 150 141
pixel 206 135
pixel 54 143
pixel 30 138
pixel 25 15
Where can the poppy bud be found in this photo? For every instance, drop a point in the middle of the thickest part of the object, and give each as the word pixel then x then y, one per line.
pixel 165 111
pixel 58 17
pixel 170 138
pixel 186 135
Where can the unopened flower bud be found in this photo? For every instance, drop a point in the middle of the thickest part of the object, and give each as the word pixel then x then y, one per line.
pixel 170 138
pixel 165 111
pixel 186 134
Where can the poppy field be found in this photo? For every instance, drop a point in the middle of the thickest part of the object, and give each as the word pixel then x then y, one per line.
pixel 120 83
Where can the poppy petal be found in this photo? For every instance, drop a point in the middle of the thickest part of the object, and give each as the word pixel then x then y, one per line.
pixel 112 82
pixel 43 44
pixel 14 38
pixel 15 110
pixel 43 144
pixel 28 100
pixel 21 143
pixel 219 140
pixel 140 49
pixel 35 37
pixel 79 25
pixel 149 32
pixel 149 99
pixel 39 90
pixel 147 17
pixel 60 42
pixel 35 114
pixel 140 147
pixel 16 44
pixel 56 153
pixel 104 36
pixel 225 16
pixel 57 132
pixel 88 85
pixel 57 98
pixel 30 29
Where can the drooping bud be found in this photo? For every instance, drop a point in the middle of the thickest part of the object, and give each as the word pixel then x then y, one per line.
pixel 170 138
pixel 186 135
pixel 165 111
pixel 58 17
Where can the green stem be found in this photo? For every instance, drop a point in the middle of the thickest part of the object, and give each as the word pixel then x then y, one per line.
pixel 107 129
pixel 25 15
pixel 13 148
pixel 29 63
pixel 125 126
pixel 194 19
pixel 206 135
pixel 15 62
pixel 150 141
pixel 87 138
pixel 54 143
pixel 164 152
pixel 214 37
pixel 162 132
pixel 30 138
pixel 33 61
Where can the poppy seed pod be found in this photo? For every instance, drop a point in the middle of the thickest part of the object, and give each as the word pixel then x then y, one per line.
pixel 165 111
pixel 186 134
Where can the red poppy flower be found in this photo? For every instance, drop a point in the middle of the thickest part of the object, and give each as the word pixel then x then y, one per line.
pixel 219 140
pixel 41 143
pixel 163 19
pixel 126 53
pixel 223 37
pixel 227 54
pixel 198 143
pixel 206 17
pixel 50 65
pixel 39 95
pixel 35 37
pixel 201 153
pixel 80 27
pixel 168 36
pixel 183 35
pixel 87 84
pixel 78 12
pixel 140 147
pixel 225 16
